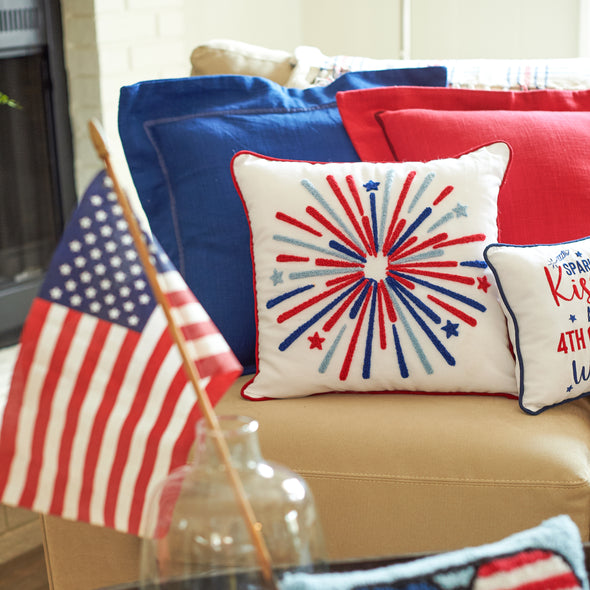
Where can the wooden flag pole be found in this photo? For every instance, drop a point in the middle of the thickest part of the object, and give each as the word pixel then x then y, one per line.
pixel 209 414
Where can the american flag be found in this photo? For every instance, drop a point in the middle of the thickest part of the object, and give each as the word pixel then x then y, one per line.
pixel 100 408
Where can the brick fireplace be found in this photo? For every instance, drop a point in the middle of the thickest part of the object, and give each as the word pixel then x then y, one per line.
pixel 65 62
pixel 36 173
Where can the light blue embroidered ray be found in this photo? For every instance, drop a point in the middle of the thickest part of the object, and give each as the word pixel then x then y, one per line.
pixel 419 351
pixel 421 256
pixel 313 191
pixel 425 184
pixel 328 358
pixel 328 251
pixel 305 274
pixel 385 205
pixel 444 219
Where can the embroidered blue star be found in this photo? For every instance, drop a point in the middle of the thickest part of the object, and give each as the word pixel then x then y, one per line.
pixel 460 210
pixel 572 318
pixel 569 388
pixel 371 186
pixel 276 277
pixel 579 254
pixel 450 329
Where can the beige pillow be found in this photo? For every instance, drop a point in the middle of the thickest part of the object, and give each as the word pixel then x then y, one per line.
pixel 223 56
pixel 308 66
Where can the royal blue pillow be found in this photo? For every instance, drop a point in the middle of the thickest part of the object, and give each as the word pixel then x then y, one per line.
pixel 179 137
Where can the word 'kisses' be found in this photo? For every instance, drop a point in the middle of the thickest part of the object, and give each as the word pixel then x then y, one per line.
pixel 576 290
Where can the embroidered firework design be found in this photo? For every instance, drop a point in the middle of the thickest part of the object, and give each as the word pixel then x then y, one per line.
pixel 376 264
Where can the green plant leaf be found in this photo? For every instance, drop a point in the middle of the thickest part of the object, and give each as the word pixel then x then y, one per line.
pixel 10 102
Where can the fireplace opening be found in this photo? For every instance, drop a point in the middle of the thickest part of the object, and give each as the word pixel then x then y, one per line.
pixel 36 164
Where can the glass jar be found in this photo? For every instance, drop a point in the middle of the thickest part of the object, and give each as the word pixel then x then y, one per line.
pixel 197 524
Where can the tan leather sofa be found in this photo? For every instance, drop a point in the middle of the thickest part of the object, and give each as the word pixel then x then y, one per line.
pixel 390 473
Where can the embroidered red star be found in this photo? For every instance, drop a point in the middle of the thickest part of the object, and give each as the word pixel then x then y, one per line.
pixel 483 283
pixel 316 341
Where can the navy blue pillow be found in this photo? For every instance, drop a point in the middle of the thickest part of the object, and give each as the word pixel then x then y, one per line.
pixel 179 137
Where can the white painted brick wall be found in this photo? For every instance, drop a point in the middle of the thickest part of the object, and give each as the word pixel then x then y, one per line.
pixel 124 26
pixel 109 44
pixel 104 6
pixel 171 24
pixel 155 4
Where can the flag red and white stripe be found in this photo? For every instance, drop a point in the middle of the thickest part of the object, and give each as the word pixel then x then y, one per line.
pixel 100 408
pixel 535 569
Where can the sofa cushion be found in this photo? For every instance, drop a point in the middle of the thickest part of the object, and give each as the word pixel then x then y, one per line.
pixel 528 210
pixel 408 473
pixel 399 475
pixel 546 295
pixel 179 137
pixel 371 277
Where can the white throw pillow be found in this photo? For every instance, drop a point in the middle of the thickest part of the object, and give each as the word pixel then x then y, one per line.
pixel 545 293
pixel 370 277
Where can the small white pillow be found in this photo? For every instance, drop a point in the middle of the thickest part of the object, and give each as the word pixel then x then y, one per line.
pixel 370 277
pixel 545 294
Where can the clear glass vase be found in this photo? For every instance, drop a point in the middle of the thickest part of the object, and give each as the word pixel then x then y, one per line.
pixel 199 531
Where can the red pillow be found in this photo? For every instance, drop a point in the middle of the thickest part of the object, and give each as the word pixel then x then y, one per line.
pixel 545 197
pixel 359 107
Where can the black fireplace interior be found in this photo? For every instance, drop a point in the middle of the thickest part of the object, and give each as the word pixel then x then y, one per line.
pixel 36 164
